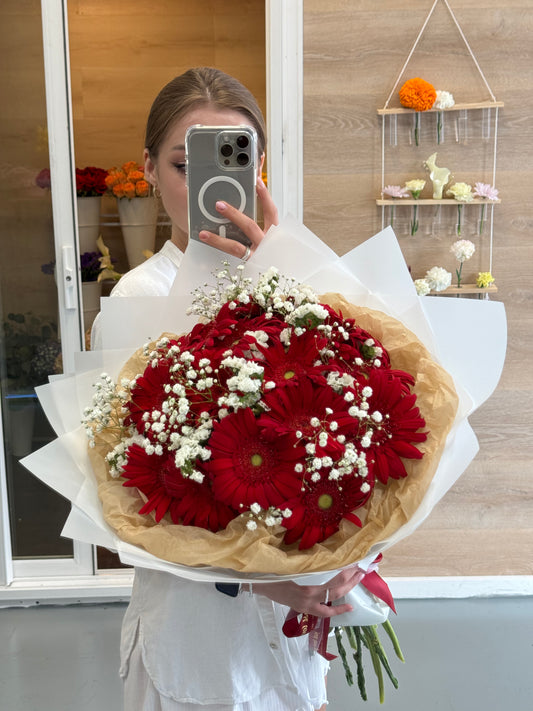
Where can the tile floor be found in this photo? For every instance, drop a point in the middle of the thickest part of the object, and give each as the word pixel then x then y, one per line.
pixel 462 655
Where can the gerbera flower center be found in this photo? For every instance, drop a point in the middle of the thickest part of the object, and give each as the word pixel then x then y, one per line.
pixel 256 460
pixel 325 501
pixel 288 374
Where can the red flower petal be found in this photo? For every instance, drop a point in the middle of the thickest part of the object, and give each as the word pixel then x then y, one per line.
pixel 246 468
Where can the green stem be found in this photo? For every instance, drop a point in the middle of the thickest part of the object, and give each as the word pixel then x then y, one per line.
pixel 358 656
pixel 368 641
pixel 392 215
pixel 382 655
pixel 342 653
pixel 439 127
pixel 394 639
pixel 459 219
pixel 414 221
pixel 458 272
pixel 417 127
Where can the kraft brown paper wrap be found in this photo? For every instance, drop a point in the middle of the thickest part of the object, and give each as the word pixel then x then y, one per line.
pixel 262 550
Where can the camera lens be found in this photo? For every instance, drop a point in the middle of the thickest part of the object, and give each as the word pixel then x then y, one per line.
pixel 226 149
pixel 242 159
pixel 242 141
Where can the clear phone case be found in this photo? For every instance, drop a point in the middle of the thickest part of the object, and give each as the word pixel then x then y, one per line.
pixel 221 165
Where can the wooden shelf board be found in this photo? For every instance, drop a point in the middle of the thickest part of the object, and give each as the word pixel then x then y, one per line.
pixel 431 201
pixel 466 289
pixel 455 107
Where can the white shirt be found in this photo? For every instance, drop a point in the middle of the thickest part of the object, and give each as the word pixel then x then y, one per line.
pixel 198 645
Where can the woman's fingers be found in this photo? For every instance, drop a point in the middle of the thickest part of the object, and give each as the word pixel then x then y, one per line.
pixel 311 599
pixel 248 226
pixel 229 246
pixel 270 211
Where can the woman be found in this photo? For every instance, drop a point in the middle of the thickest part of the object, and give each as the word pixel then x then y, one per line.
pixel 185 645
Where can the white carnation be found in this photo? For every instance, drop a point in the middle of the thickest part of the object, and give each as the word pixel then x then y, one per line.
pixel 444 100
pixel 463 249
pixel 438 278
pixel 422 287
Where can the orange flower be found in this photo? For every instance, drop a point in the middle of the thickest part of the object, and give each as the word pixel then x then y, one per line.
pixel 135 175
pixel 417 94
pixel 129 166
pixel 129 189
pixel 128 181
pixel 113 178
pixel 142 188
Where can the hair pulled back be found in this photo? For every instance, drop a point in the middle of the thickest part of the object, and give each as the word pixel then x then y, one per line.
pixel 197 87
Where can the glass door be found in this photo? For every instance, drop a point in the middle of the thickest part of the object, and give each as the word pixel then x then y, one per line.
pixel 114 79
pixel 39 301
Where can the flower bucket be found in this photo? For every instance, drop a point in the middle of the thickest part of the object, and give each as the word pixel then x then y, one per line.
pixel 138 220
pixel 88 222
pixel 91 292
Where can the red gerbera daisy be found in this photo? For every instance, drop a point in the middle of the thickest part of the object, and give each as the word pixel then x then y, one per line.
pixel 248 468
pixel 318 510
pixel 286 366
pixel 400 425
pixel 291 409
pixel 147 394
pixel 166 489
pixel 352 343
pixel 157 477
pixel 198 506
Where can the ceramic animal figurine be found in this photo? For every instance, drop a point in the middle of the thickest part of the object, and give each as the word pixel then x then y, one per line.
pixel 438 176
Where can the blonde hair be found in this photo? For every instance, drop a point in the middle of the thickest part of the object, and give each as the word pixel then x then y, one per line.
pixel 197 87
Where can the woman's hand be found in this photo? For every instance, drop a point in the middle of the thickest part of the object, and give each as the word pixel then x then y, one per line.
pixel 250 228
pixel 310 599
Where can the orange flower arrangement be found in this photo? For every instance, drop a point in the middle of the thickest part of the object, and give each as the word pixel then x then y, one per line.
pixel 128 181
pixel 417 94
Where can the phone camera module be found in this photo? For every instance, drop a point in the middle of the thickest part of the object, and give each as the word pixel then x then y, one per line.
pixel 243 159
pixel 226 150
pixel 242 141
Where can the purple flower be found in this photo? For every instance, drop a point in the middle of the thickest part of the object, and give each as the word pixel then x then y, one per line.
pixel 395 191
pixel 90 266
pixel 49 267
pixel 484 190
pixel 42 179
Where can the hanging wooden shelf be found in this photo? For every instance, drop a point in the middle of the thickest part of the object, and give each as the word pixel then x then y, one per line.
pixel 466 289
pixel 455 107
pixel 431 201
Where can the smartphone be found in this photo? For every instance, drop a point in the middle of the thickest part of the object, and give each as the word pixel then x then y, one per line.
pixel 221 164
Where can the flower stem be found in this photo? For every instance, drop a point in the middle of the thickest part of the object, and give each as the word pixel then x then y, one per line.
pixel 458 272
pixel 392 215
pixel 414 221
pixel 417 127
pixel 459 219
pixel 394 639
pixel 439 127
pixel 342 654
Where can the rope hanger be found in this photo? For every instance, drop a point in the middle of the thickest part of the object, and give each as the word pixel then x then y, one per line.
pixel 456 22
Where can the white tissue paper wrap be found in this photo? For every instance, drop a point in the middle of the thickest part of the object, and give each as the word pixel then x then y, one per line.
pixel 373 275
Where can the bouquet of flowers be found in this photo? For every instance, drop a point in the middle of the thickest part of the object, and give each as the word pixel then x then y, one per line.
pixel 275 409
pixel 90 181
pixel 127 181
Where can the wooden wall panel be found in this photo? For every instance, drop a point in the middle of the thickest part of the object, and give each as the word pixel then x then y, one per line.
pixel 353 53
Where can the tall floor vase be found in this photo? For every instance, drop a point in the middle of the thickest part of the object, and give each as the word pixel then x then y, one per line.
pixel 88 222
pixel 138 221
